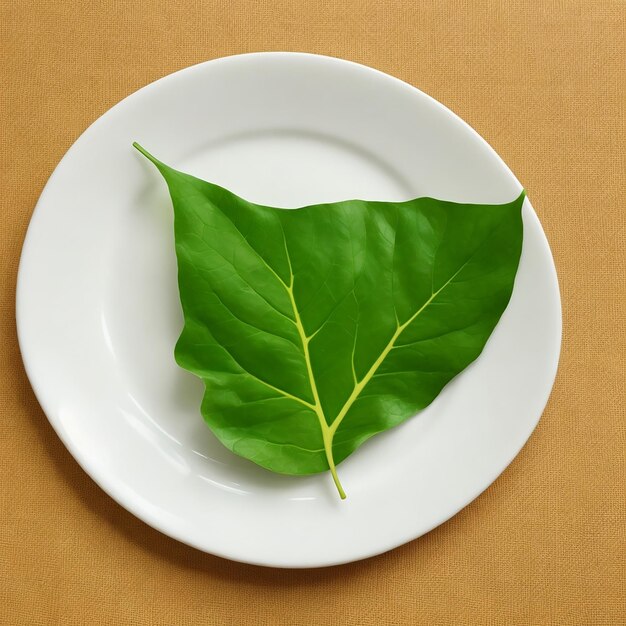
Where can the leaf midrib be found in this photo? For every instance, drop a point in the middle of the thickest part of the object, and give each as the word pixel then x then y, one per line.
pixel 327 436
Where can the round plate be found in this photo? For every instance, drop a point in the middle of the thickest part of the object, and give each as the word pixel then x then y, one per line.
pixel 98 310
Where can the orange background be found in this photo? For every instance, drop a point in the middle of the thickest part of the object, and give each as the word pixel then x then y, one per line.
pixel 545 84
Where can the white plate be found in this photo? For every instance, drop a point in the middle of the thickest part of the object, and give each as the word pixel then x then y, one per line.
pixel 98 310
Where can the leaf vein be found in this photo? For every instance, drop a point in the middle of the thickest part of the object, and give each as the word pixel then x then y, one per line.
pixel 258 378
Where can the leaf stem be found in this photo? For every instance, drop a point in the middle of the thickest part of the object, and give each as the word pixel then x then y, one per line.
pixel 328 448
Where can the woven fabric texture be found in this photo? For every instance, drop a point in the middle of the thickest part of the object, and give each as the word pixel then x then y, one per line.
pixel 545 84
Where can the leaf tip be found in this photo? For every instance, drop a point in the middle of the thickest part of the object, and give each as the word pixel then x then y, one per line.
pixel 145 153
pixel 138 147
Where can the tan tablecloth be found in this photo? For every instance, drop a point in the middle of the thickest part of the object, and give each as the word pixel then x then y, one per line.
pixel 544 83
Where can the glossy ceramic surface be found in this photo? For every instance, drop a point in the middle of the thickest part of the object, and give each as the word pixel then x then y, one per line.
pixel 98 311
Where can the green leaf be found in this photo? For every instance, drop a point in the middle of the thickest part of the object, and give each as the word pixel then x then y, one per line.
pixel 315 328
